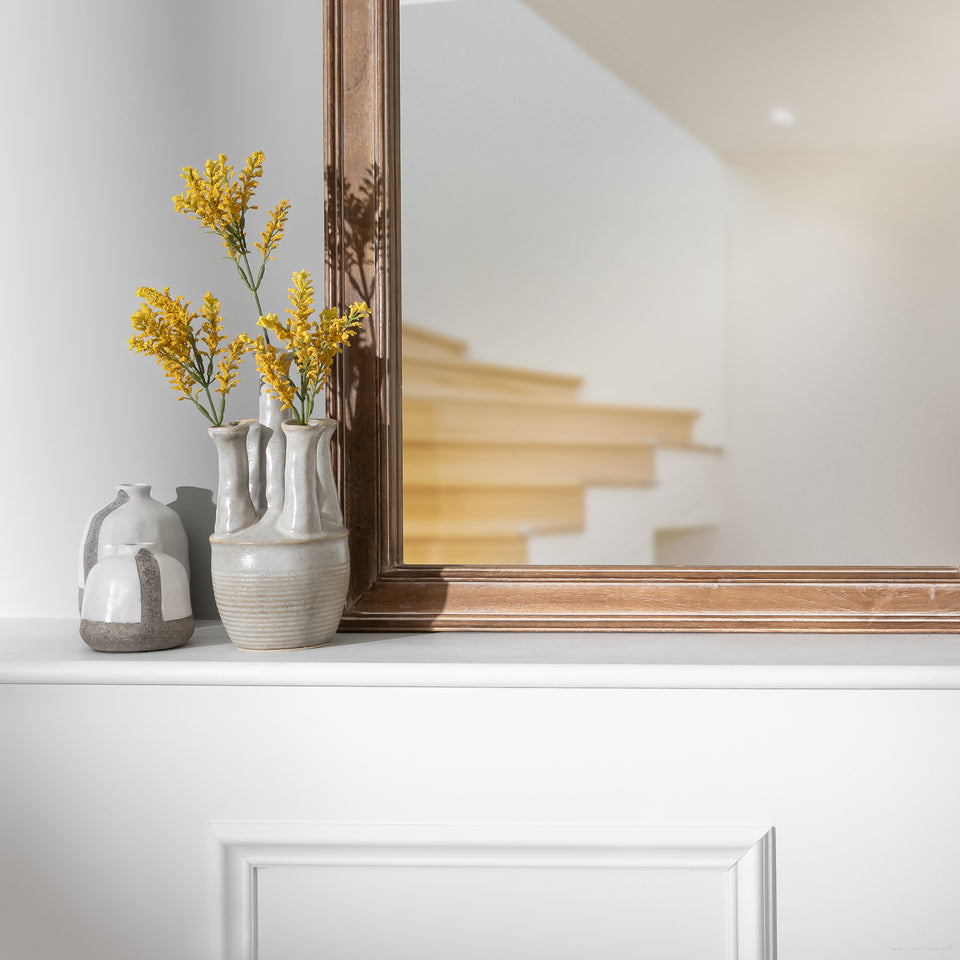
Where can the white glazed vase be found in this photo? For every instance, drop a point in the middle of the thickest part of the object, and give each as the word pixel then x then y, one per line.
pixel 281 582
pixel 136 599
pixel 235 509
pixel 133 516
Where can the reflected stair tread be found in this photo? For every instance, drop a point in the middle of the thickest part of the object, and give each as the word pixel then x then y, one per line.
pixel 508 550
pixel 532 464
pixel 423 344
pixel 442 377
pixel 525 420
pixel 541 507
pixel 470 529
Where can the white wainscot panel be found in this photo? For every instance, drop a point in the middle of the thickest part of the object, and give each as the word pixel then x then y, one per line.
pixel 474 892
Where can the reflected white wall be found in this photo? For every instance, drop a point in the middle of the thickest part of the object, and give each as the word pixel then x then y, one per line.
pixel 103 103
pixel 844 328
pixel 552 217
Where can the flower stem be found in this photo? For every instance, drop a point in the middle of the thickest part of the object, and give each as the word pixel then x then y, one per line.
pixel 254 286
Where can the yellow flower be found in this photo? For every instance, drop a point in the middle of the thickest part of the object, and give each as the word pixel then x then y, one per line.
pixel 212 328
pixel 194 358
pixel 310 346
pixel 274 367
pixel 249 179
pixel 164 329
pixel 218 201
pixel 273 232
pixel 229 365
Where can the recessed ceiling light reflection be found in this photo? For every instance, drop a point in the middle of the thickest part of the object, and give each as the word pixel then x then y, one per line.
pixel 782 117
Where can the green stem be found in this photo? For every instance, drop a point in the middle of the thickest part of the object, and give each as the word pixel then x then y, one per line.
pixel 301 393
pixel 213 406
pixel 313 396
pixel 254 287
pixel 196 371
pixel 200 407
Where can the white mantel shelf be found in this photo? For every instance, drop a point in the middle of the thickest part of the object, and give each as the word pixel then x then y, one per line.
pixel 51 652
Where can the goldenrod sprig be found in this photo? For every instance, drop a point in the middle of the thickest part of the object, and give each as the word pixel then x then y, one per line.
pixel 192 359
pixel 311 345
pixel 221 204
pixel 273 232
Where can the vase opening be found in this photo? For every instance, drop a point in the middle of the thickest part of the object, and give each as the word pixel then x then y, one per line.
pixel 135 489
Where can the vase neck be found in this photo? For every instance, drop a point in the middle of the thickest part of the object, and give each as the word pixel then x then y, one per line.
pixel 135 491
pixel 235 509
pixel 266 478
pixel 132 549
pixel 301 516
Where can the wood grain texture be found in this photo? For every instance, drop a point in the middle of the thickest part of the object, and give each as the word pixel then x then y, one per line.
pixel 362 140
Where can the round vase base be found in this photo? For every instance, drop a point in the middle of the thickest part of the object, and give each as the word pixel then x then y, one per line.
pixel 107 637
pixel 280 596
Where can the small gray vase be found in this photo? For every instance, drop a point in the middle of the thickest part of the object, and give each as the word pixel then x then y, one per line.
pixel 136 599
pixel 133 516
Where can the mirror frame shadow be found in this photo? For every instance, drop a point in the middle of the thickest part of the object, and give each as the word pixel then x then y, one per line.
pixel 362 149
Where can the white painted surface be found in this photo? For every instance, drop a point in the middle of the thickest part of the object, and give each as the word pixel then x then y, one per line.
pixel 50 652
pixel 483 891
pixel 131 807
pixel 105 102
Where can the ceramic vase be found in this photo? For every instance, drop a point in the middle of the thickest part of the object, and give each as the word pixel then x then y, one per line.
pixel 235 509
pixel 266 448
pixel 281 581
pixel 133 516
pixel 136 599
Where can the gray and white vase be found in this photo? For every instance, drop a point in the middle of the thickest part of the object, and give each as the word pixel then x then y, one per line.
pixel 281 581
pixel 133 516
pixel 136 599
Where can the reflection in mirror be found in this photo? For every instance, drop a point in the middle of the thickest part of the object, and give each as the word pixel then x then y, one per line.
pixel 680 282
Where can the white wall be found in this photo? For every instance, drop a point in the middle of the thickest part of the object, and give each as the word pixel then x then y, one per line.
pixel 104 102
pixel 844 333
pixel 552 217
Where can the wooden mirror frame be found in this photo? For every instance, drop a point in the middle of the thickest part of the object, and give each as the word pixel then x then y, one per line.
pixel 361 142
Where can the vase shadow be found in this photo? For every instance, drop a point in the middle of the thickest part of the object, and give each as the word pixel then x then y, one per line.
pixel 197 508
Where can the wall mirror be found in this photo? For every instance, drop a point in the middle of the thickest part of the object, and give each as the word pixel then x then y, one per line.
pixel 674 345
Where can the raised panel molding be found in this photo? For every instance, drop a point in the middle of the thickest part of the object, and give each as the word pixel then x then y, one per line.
pixel 743 854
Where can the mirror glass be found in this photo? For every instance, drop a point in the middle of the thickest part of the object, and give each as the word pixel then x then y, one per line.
pixel 681 282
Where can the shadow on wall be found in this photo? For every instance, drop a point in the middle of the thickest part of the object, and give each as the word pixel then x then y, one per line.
pixel 197 509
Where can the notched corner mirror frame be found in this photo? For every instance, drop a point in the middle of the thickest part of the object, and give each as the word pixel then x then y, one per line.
pixel 361 142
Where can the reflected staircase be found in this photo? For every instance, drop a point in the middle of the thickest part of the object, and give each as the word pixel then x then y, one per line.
pixel 497 461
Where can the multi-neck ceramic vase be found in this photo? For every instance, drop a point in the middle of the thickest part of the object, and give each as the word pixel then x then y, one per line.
pixel 279 555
